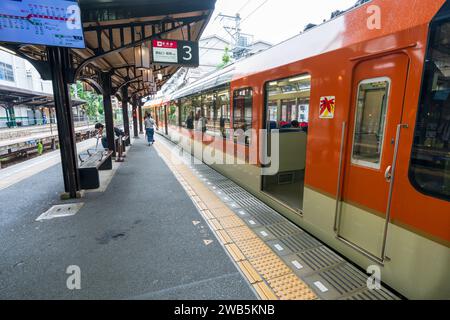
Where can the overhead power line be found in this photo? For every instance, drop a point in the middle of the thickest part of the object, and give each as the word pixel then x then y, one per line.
pixel 243 7
pixel 253 12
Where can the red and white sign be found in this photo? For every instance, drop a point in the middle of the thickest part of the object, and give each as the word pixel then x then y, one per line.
pixel 165 51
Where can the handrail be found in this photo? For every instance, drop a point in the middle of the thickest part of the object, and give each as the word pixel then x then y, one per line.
pixel 338 188
pixel 391 190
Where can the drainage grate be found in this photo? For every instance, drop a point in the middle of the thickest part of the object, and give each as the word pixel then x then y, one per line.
pixel 226 184
pixel 284 229
pixel 286 178
pixel 59 211
pixel 345 278
pixel 300 242
pixel 320 258
pixel 236 190
pixel 250 203
pixel 381 294
pixel 239 197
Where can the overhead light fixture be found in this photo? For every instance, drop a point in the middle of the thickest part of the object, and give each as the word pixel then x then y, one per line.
pixel 142 57
pixel 160 76
pixel 300 78
pixel 147 75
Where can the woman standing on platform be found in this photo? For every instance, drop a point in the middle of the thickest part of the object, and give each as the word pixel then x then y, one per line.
pixel 150 125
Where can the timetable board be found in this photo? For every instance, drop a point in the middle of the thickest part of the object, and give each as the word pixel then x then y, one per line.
pixel 41 22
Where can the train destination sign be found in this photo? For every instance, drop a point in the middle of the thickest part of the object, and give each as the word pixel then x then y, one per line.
pixel 41 22
pixel 185 53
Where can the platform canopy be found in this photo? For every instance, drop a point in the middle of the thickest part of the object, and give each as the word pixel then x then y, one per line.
pixel 13 96
pixel 113 28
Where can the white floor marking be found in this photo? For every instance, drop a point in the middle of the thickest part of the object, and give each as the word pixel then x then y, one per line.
pixel 207 242
pixel 321 286
pixel 278 247
pixel 59 211
pixel 297 264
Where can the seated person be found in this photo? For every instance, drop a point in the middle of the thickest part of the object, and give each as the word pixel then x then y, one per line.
pixel 295 124
pixel 100 128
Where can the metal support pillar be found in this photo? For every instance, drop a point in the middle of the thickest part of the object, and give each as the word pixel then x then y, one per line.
pixel 135 117
pixel 141 121
pixel 107 106
pixel 59 60
pixel 126 119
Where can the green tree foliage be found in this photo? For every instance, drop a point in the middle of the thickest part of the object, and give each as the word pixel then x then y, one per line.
pixel 94 102
pixel 226 59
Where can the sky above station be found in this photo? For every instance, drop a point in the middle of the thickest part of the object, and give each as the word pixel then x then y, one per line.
pixel 273 20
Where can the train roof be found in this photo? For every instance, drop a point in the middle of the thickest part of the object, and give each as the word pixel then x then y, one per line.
pixel 342 31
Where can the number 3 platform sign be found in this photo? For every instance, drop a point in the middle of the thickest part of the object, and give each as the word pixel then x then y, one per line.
pixel 183 53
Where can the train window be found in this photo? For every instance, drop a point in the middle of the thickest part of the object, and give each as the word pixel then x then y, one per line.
pixel 287 107
pixel 223 109
pixel 187 113
pixel 173 114
pixel 288 101
pixel 430 159
pixel 199 110
pixel 370 120
pixel 242 114
pixel 208 101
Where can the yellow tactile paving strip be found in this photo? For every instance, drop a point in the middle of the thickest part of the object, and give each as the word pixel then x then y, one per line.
pixel 271 278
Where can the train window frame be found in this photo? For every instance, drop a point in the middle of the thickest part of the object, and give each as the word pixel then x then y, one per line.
pixel 248 139
pixel 363 163
pixel 423 107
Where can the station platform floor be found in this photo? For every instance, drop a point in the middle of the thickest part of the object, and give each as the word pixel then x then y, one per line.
pixel 161 229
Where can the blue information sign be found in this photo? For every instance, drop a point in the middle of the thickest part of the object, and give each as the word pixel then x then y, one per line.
pixel 43 22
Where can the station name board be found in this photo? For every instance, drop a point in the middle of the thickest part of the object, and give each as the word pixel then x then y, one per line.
pixel 183 53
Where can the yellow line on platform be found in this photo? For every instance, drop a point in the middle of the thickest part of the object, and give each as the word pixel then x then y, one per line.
pixel 270 277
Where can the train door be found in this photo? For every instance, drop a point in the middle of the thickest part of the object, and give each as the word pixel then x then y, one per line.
pixel 376 112
pixel 286 111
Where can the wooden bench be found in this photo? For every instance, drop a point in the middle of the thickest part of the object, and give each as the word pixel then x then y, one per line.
pixel 90 167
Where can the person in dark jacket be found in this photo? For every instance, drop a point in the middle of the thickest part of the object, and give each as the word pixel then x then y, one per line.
pixel 190 121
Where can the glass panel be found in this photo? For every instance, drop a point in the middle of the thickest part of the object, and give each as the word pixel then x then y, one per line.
pixel 223 106
pixel 242 112
pixel 199 113
pixel 173 114
pixel 288 103
pixel 208 100
pixel 6 72
pixel 187 113
pixel 430 163
pixel 370 122
pixel 287 110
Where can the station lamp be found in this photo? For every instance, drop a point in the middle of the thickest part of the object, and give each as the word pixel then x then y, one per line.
pixel 147 75
pixel 142 57
pixel 160 76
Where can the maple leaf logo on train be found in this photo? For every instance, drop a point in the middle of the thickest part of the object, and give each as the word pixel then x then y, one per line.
pixel 327 107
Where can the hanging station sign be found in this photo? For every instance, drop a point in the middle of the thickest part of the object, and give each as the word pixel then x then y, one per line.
pixel 41 22
pixel 183 53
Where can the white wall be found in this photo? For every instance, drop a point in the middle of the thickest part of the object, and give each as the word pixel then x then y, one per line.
pixel 25 75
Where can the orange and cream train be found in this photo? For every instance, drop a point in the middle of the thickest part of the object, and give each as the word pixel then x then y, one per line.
pixel 361 105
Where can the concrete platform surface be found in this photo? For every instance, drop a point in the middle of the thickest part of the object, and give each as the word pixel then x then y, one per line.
pixel 135 240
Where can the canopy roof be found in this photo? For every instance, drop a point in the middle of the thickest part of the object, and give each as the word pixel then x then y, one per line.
pixel 112 28
pixel 16 96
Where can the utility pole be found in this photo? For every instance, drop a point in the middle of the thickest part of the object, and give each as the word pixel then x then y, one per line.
pixel 239 46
